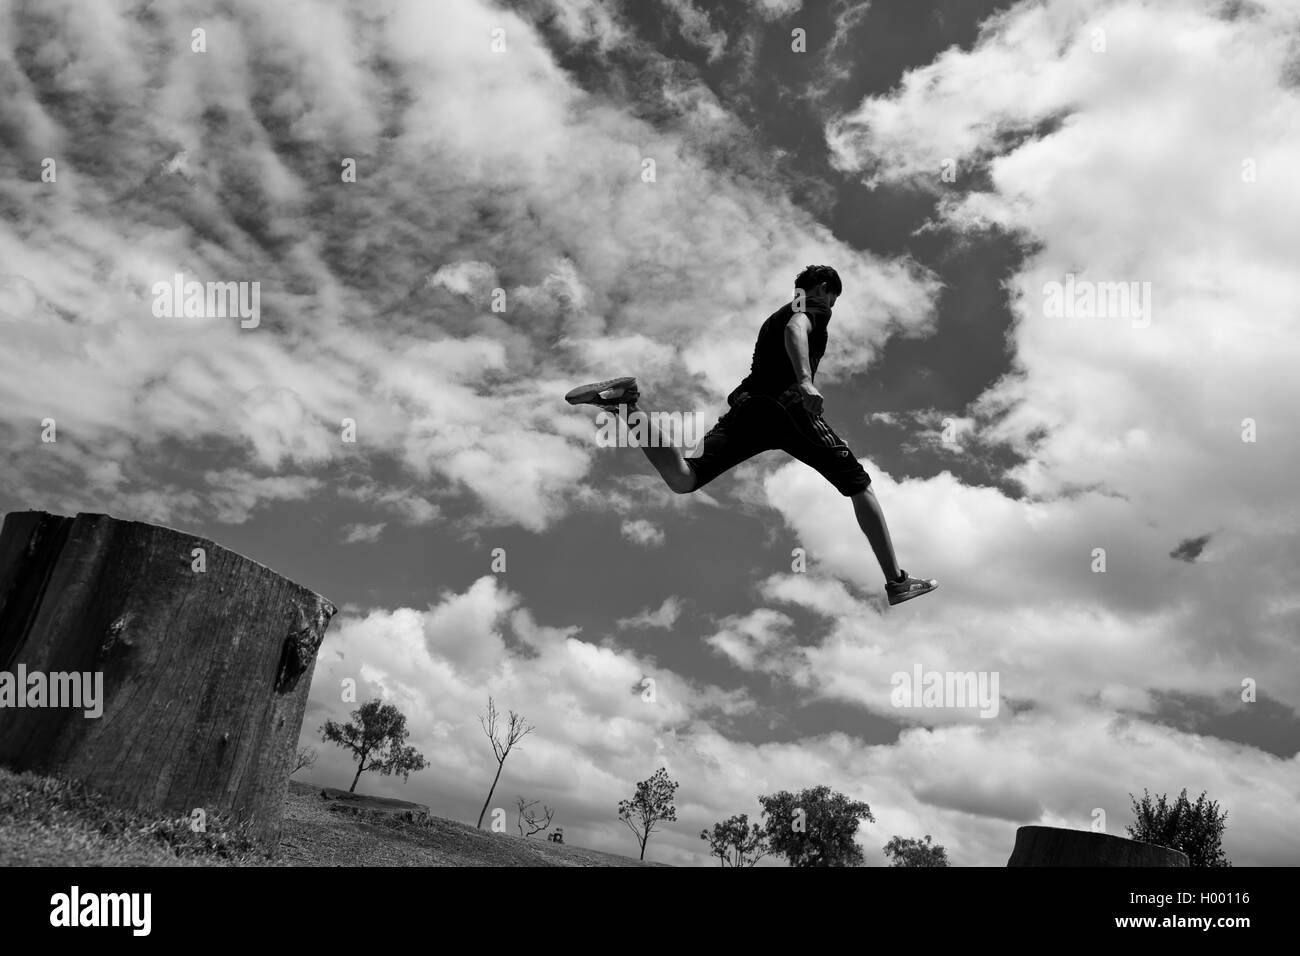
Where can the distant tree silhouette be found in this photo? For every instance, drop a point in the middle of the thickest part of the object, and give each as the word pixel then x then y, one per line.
pixel 376 735
pixel 1194 828
pixel 905 852
pixel 735 842
pixel 516 729
pixel 651 804
pixel 814 827
pixel 304 759
pixel 528 817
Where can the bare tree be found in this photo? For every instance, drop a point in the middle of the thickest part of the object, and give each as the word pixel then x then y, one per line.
pixel 528 817
pixel 305 759
pixel 516 729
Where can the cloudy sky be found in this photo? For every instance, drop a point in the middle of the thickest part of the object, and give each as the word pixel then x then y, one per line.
pixel 952 158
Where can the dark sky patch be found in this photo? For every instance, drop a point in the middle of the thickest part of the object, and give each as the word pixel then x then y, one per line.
pixel 1190 549
pixel 1264 724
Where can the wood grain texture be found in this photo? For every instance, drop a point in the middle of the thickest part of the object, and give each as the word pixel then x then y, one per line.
pixel 1055 846
pixel 205 674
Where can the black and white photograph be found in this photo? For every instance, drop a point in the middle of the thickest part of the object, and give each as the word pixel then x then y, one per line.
pixel 669 434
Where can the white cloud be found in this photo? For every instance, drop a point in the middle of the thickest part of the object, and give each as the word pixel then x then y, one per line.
pixel 744 639
pixel 1131 435
pixel 375 293
pixel 596 732
pixel 969 785
pixel 642 532
pixel 774 9
pixel 589 20
pixel 367 533
pixel 665 616
pixel 404 502
pixel 696 27
pixel 466 278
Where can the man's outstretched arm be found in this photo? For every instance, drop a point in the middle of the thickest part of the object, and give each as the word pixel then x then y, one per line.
pixel 796 346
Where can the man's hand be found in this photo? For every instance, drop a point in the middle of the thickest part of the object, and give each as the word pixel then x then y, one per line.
pixel 811 398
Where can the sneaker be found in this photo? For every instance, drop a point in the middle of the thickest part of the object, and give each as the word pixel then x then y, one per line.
pixel 607 394
pixel 906 588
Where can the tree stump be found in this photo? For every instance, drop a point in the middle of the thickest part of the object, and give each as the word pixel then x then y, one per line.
pixel 1055 846
pixel 205 672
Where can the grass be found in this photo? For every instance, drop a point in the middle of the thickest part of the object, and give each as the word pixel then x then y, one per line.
pixel 327 827
pixel 49 822
pixel 45 821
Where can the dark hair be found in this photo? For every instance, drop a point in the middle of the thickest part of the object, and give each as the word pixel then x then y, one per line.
pixel 813 276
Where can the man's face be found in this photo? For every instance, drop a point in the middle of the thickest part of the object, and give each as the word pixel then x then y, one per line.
pixel 824 291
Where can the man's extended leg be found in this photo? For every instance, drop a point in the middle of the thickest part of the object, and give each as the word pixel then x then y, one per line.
pixel 872 522
pixel 812 441
pixel 899 585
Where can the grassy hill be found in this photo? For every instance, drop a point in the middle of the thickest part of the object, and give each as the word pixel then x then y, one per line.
pixel 335 828
pixel 49 822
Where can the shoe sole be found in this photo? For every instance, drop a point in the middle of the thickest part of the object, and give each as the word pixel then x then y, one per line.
pixel 895 601
pixel 584 394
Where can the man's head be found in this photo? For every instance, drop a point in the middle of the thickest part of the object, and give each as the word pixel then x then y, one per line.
pixel 820 281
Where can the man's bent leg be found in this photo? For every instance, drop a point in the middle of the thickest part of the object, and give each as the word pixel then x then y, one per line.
pixel 737 436
pixel 671 465
pixel 619 396
pixel 667 459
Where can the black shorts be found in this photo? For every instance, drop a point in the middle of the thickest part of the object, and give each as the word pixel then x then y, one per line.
pixel 758 423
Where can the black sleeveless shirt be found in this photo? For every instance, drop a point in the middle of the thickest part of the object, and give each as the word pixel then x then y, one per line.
pixel 771 372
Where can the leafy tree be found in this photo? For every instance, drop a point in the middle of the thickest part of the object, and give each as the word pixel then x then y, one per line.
pixel 1195 828
pixel 376 735
pixel 735 842
pixel 516 729
pixel 814 827
pixel 304 759
pixel 652 804
pixel 905 852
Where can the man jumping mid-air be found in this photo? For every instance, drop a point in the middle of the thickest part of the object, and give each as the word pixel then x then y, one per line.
pixel 776 406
